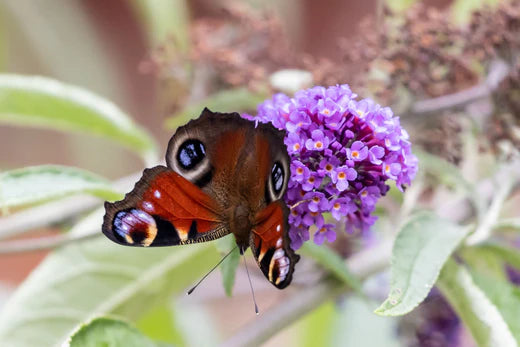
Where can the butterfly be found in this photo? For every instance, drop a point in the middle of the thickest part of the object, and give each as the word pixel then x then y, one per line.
pixel 224 174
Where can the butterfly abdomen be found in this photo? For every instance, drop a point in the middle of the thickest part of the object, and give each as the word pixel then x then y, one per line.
pixel 240 225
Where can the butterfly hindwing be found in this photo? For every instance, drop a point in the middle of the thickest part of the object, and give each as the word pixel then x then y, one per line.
pixel 163 209
pixel 270 244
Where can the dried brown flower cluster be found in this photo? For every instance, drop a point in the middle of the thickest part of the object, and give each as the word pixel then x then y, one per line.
pixel 417 56
pixel 496 33
pixel 240 48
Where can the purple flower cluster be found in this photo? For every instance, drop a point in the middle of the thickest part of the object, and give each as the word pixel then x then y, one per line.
pixel 342 152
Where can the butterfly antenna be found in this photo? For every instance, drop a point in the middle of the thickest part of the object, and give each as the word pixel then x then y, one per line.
pixel 250 284
pixel 210 271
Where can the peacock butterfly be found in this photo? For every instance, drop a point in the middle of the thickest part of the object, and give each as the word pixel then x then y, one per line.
pixel 224 174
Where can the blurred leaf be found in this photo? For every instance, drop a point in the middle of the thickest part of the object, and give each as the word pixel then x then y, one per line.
pixel 420 250
pixel 158 324
pixel 316 327
pixel 508 254
pixel 233 100
pixel 512 224
pixel 486 260
pixel 506 298
pixel 332 262
pixel 195 325
pixel 96 277
pixel 36 184
pixel 109 332
pixel 229 266
pixel 355 325
pixel 480 316
pixel 447 173
pixel 463 9
pixel 400 5
pixel 164 19
pixel 42 102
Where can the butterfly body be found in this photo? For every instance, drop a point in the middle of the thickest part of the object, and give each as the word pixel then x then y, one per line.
pixel 224 175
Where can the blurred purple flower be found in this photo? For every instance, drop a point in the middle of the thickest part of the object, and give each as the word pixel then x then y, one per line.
pixel 513 274
pixel 343 151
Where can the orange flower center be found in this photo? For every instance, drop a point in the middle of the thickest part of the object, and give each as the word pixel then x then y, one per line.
pixel 355 154
pixel 296 146
pixel 316 199
pixel 328 167
pixel 342 175
pixel 337 206
pixel 299 171
pixel 319 144
pixel 311 179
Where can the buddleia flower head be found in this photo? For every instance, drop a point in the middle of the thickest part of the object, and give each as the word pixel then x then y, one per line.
pixel 343 151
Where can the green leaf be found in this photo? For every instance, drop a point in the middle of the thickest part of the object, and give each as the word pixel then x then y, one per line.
pixel 420 250
pixel 506 298
pixel 507 254
pixel 463 9
pixel 109 332
pixel 478 313
pixel 400 5
pixel 486 260
pixel 233 100
pixel 46 103
pixel 96 277
pixel 229 266
pixel 315 328
pixel 164 19
pixel 36 184
pixel 158 324
pixel 331 261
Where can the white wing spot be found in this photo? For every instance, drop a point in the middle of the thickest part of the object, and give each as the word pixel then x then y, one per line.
pixel 148 206
pixel 157 194
pixel 278 227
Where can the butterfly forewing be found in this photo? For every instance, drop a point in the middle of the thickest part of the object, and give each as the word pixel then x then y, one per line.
pixel 271 245
pixel 164 209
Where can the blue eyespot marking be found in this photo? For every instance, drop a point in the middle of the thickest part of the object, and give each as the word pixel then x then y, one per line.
pixel 190 154
pixel 277 176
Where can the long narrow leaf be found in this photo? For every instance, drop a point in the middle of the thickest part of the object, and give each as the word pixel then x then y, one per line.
pixel 478 313
pixel 32 185
pixel 43 102
pixel 84 280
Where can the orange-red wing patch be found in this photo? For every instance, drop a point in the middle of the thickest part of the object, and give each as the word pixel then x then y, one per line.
pixel 163 209
pixel 271 245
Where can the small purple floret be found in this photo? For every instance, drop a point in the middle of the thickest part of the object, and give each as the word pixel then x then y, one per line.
pixel 342 153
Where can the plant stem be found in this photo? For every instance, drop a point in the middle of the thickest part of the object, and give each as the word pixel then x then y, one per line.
pixel 303 301
pixel 498 71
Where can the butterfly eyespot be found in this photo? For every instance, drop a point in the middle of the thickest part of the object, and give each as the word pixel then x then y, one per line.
pixel 135 227
pixel 277 176
pixel 190 154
